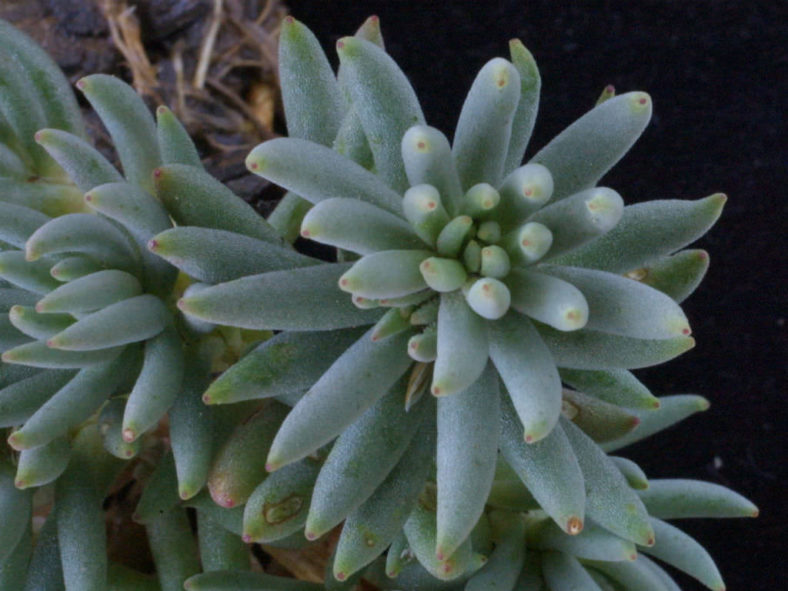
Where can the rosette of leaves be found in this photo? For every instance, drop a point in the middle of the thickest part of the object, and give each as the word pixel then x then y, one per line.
pixel 94 352
pixel 515 294
pixel 516 545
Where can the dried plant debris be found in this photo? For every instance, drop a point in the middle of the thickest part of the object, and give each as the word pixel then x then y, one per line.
pixel 213 62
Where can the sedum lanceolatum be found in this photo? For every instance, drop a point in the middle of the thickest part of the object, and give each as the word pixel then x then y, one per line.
pixel 458 377
pixel 94 352
pixel 468 397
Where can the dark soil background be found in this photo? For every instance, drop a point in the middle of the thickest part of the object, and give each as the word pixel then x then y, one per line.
pixel 716 71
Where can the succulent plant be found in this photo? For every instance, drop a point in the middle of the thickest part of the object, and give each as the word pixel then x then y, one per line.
pixel 515 294
pixel 458 377
pixel 94 352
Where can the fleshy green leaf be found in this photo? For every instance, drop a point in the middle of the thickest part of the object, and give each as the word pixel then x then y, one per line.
pixel 548 468
pixel 70 268
pixel 593 543
pixel 646 232
pixel 297 299
pixel 564 573
pixel 86 166
pixel 580 219
pixel 599 420
pixel 290 362
pixel 236 469
pixel 632 576
pixel 316 173
pixel 39 355
pixel 610 501
pixel 45 573
pixel 20 109
pixel 52 199
pixel 174 141
pixel 547 299
pixel 682 499
pixel 219 548
pixel 529 373
pixel 385 102
pixel 15 511
pixel 19 400
pixel 128 321
pixel 483 132
pixel 375 524
pixel 52 89
pixel 91 292
pixel 362 457
pixel 621 306
pixel 129 123
pixel 592 350
pixel 42 465
pixel 160 492
pixel 110 423
pixel 420 532
pixel 80 522
pixel 358 226
pixel 194 198
pixel 278 506
pixel 17 223
pixel 359 377
pixel 426 154
pixel 70 405
pixel 672 409
pixel 528 105
pixel 678 549
pixel 635 476
pixel 506 560
pixel 156 385
pixel 310 94
pixel 191 428
pixel 91 235
pixel 215 256
pixel 38 326
pixel 29 275
pixel 676 275
pixel 462 346
pixel 387 274
pixel 173 548
pixel 581 154
pixel 616 386
pixel 468 430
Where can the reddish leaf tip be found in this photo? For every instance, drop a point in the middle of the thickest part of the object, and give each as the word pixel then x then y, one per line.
pixel 574 525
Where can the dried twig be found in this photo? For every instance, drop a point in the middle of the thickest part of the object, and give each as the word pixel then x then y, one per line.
pixel 206 49
pixel 125 31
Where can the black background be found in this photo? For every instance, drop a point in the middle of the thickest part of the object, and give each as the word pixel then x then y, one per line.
pixel 716 71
